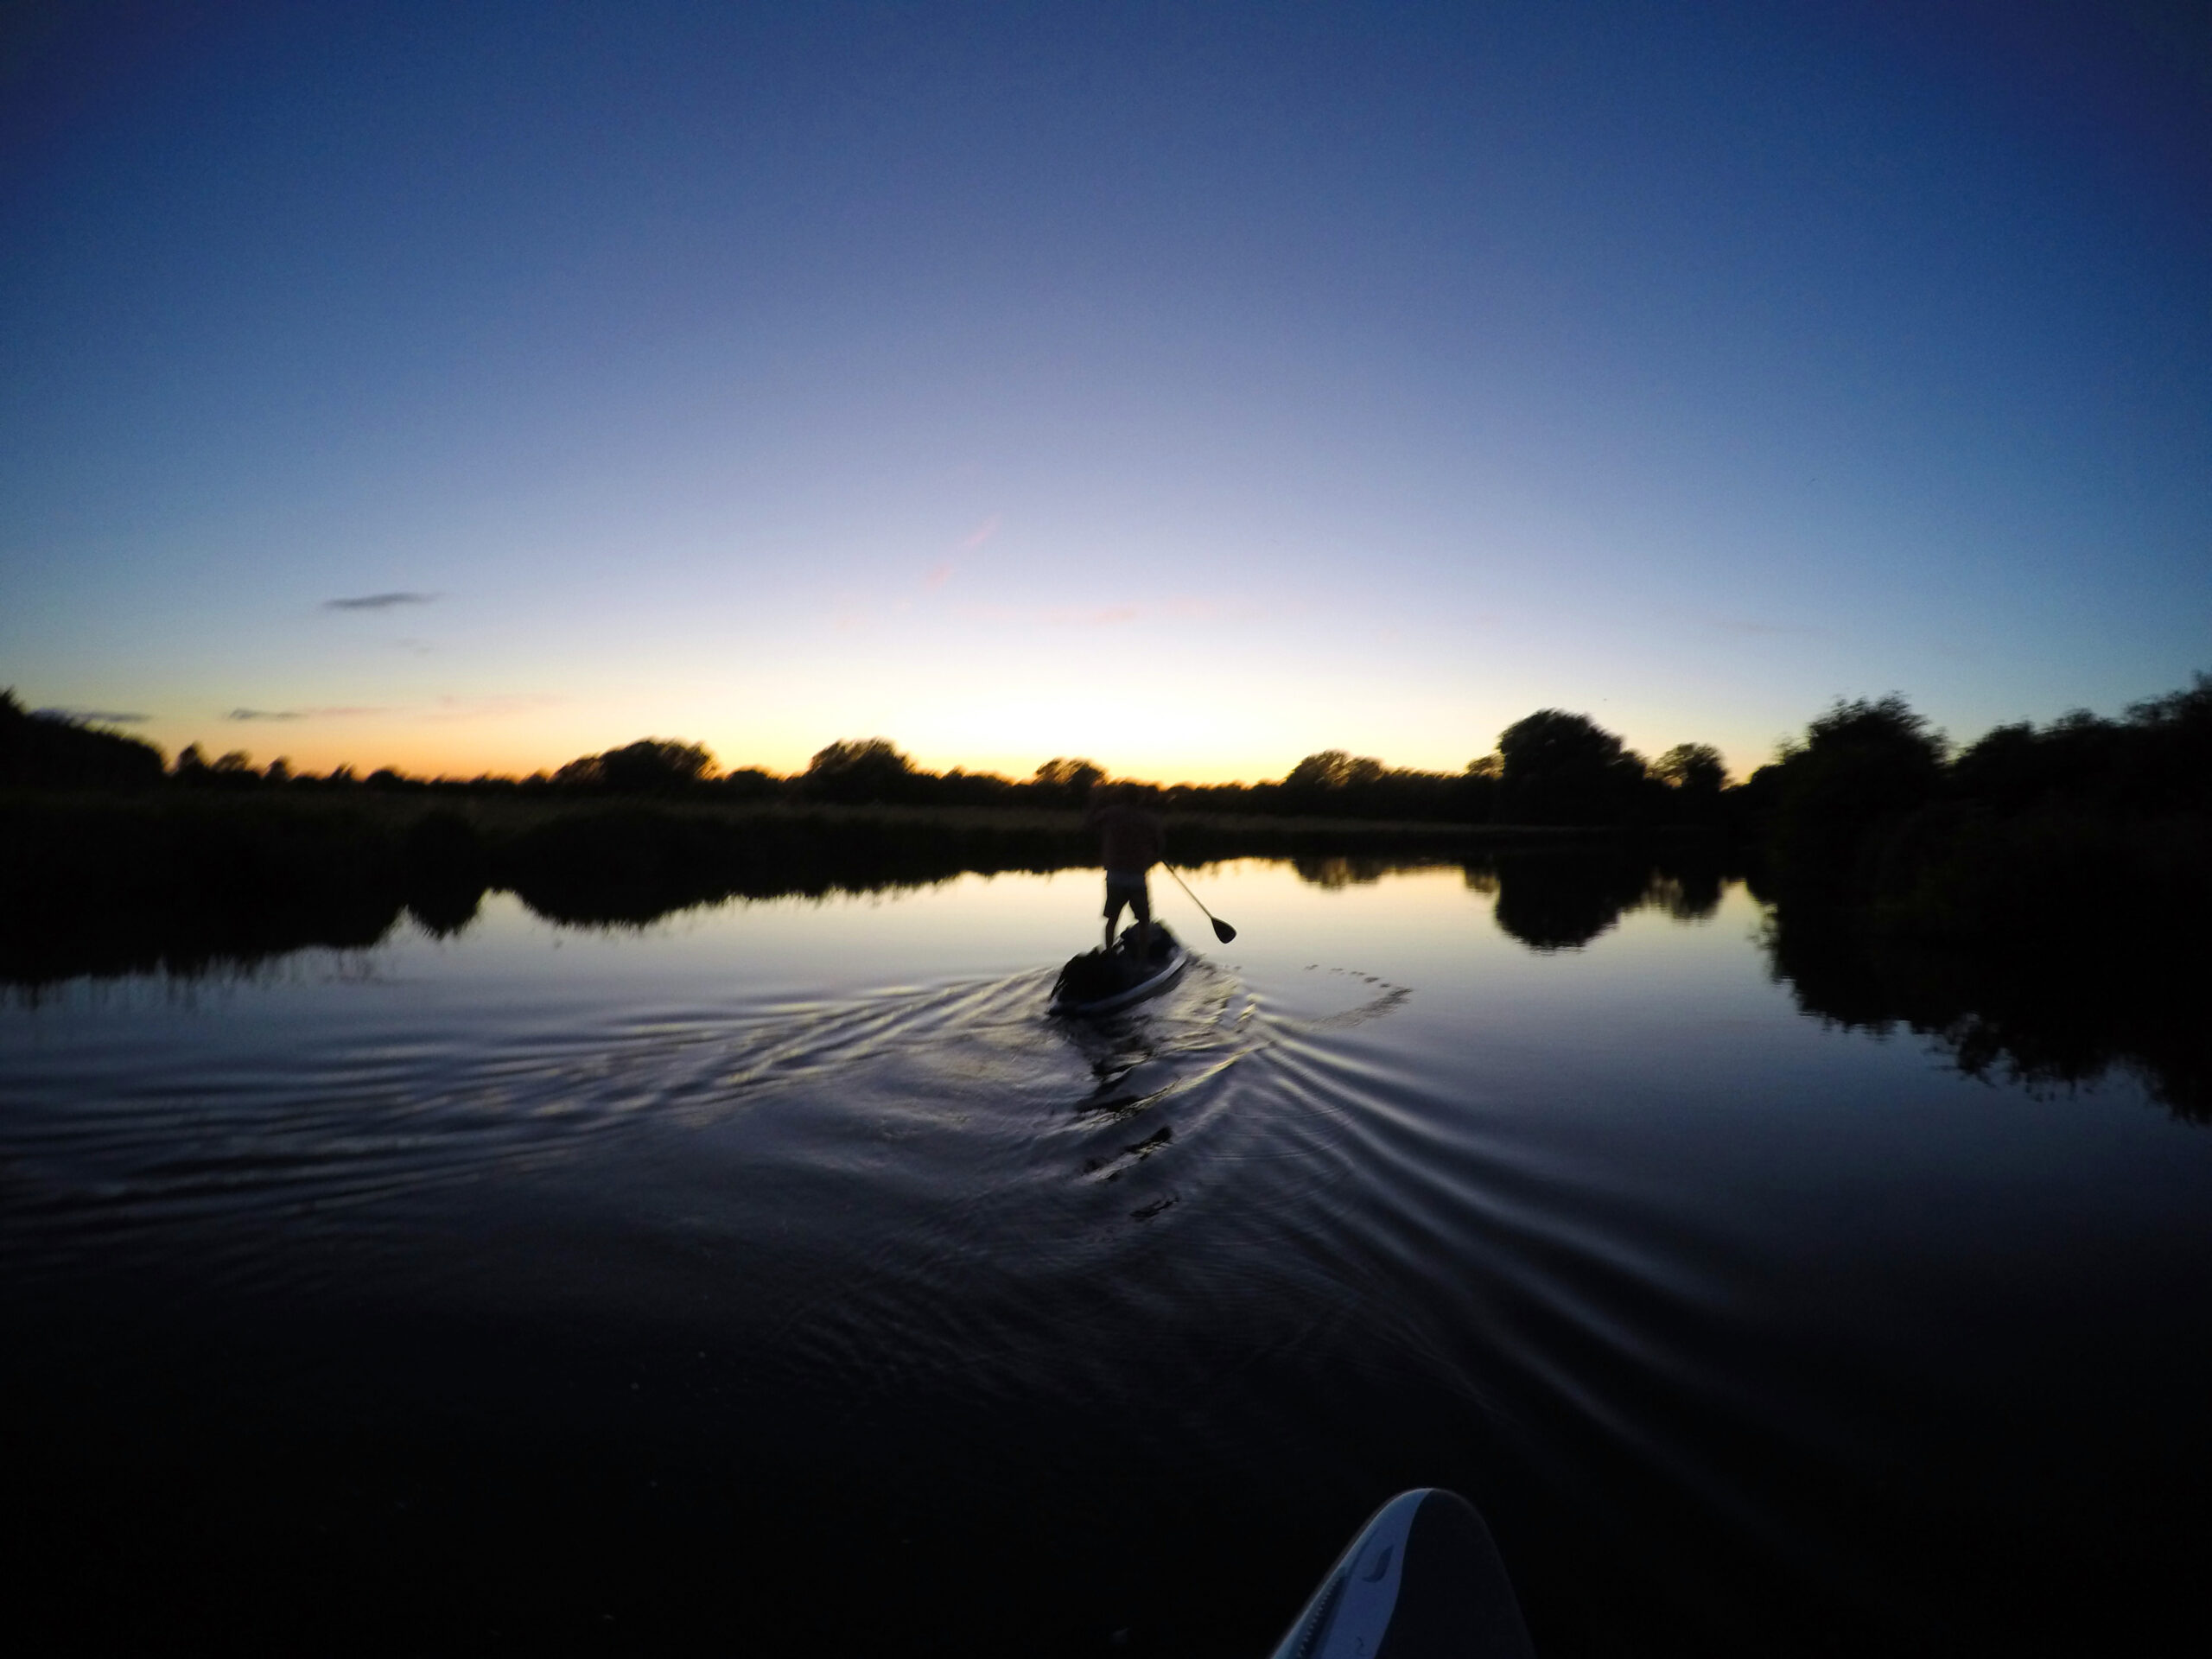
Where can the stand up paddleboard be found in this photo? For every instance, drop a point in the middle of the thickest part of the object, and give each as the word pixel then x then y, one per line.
pixel 1422 1580
pixel 1102 981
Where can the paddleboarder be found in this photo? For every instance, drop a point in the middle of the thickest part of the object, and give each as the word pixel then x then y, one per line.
pixel 1131 839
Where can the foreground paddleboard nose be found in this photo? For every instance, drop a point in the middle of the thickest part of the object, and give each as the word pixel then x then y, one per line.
pixel 1423 1580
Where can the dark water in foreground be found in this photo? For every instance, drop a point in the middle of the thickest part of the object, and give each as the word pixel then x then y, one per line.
pixel 781 1277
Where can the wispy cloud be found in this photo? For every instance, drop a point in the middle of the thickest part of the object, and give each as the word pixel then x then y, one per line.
pixel 336 712
pixel 438 709
pixel 377 601
pixel 95 716
pixel 940 573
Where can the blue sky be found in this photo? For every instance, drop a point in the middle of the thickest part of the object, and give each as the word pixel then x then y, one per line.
pixel 1189 387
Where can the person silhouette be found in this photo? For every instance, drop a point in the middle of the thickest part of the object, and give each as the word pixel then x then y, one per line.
pixel 1131 839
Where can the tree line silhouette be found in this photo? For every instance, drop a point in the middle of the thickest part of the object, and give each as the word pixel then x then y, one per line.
pixel 2051 836
pixel 1829 810
pixel 1552 769
pixel 2071 825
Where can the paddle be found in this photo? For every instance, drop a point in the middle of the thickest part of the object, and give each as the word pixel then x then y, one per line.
pixel 1222 929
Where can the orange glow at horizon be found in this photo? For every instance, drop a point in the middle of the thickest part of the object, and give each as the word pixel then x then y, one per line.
pixel 462 748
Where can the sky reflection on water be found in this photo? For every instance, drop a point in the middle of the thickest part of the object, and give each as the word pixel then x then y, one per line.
pixel 669 1258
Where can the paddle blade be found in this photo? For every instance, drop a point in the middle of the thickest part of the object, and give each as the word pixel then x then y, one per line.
pixel 1222 929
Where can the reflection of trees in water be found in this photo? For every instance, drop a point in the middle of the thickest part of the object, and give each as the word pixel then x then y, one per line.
pixel 1561 900
pixel 1686 895
pixel 2057 1019
pixel 1353 870
pixel 1552 899
pixel 197 882
pixel 1553 904
pixel 118 889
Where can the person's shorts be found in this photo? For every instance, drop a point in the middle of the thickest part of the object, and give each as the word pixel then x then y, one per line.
pixel 1126 883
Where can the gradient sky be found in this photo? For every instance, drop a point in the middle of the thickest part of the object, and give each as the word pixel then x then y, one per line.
pixel 1190 387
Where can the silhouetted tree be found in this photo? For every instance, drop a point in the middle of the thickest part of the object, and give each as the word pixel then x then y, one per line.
pixel 652 765
pixel 55 751
pixel 1333 769
pixel 1693 776
pixel 1334 784
pixel 2015 767
pixel 234 770
pixel 1318 783
pixel 749 783
pixel 1065 782
pixel 962 788
pixel 859 772
pixel 1480 784
pixel 2158 760
pixel 2169 757
pixel 1557 767
pixel 1693 767
pixel 1863 764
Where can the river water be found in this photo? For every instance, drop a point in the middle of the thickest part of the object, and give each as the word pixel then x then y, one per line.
pixel 781 1277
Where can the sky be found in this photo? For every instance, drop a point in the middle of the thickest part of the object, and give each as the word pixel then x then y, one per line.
pixel 1190 387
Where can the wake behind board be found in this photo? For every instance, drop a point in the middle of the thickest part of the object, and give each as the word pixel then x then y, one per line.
pixel 1105 982
pixel 1422 1580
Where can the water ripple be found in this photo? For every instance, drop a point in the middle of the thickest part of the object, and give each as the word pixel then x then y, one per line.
pixel 942 1191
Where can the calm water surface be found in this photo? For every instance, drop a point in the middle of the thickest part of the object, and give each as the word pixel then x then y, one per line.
pixel 781 1274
